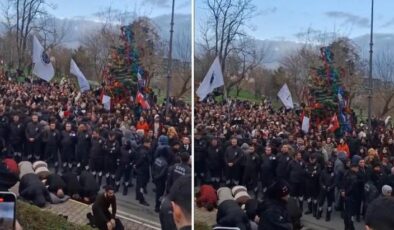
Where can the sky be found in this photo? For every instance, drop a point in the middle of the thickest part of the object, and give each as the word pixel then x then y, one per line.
pixel 87 8
pixel 288 19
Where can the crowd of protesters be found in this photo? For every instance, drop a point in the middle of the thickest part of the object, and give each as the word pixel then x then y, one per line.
pixel 73 133
pixel 265 151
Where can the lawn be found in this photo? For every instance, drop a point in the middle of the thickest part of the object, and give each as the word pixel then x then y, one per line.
pixel 32 218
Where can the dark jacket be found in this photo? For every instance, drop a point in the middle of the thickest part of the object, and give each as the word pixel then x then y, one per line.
pixel 55 182
pixel 274 215
pixel 233 155
pixel 176 171
pixel 268 167
pixel 159 169
pixel 297 171
pixel 32 189
pixel 33 130
pixel 282 169
pixel 231 215
pixel 71 182
pixel 16 134
pixel 97 148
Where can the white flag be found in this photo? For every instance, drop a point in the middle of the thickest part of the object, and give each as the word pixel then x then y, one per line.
pixel 82 82
pixel 285 96
pixel 106 102
pixel 305 124
pixel 212 80
pixel 42 64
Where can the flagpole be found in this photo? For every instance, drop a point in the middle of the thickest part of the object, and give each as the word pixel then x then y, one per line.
pixel 370 73
pixel 169 71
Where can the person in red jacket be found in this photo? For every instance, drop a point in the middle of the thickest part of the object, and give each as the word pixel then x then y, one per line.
pixel 343 147
pixel 142 124
pixel 207 197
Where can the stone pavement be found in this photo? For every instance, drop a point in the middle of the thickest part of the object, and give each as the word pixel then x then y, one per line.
pixel 76 213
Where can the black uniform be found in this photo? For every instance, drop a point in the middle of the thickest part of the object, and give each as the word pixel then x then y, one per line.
pixel 101 212
pixel 71 182
pixel 51 139
pixel 297 175
pixel 251 172
pixel 67 148
pixel 89 186
pixel 54 183
pixel 200 147
pixel 350 187
pixel 97 158
pixel 268 166
pixel 141 166
pixel 83 149
pixel 282 169
pixel 112 153
pixel 16 139
pixel 312 186
pixel 214 163
pixel 327 191
pixel 176 171
pixel 159 173
pixel 233 154
pixel 124 167
pixel 4 127
pixel 33 130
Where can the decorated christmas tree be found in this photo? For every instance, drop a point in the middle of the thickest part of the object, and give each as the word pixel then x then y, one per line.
pixel 124 75
pixel 327 100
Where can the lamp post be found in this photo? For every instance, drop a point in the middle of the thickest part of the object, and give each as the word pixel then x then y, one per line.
pixel 169 71
pixel 370 73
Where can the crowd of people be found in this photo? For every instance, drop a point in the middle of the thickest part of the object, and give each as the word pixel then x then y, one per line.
pixel 264 150
pixel 76 136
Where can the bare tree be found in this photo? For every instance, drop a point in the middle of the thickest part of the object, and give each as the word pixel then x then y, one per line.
pixel 225 25
pixel 384 70
pixel 182 48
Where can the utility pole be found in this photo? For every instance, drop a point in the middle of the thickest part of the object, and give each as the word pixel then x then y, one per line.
pixel 370 73
pixel 169 71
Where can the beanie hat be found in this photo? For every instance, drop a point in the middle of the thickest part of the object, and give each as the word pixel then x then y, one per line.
pixel 355 160
pixel 242 197
pixel 245 147
pixel 41 169
pixel 25 167
pixel 163 140
pixel 237 189
pixel 386 190
pixel 11 165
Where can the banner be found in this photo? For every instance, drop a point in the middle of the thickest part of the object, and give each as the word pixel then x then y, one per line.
pixel 285 96
pixel 212 80
pixel 305 124
pixel 106 102
pixel 42 64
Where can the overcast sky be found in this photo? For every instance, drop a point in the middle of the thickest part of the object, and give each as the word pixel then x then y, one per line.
pixel 285 19
pixel 88 8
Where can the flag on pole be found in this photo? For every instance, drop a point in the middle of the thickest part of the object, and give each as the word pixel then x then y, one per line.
pixel 285 96
pixel 305 124
pixel 42 64
pixel 212 80
pixel 82 82
pixel 106 101
pixel 334 123
pixel 141 100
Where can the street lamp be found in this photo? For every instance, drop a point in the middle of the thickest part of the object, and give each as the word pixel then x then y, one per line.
pixel 370 73
pixel 169 71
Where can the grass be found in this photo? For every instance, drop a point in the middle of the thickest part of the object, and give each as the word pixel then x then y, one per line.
pixel 32 218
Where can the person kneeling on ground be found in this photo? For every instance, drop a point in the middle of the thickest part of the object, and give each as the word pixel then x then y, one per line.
pixel 88 187
pixel 32 189
pixel 102 218
pixel 56 188
pixel 72 185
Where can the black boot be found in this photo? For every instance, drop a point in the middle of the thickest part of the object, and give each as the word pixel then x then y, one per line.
pixel 319 213
pixel 328 216
pixel 314 209
pixel 301 205
pixel 143 202
pixel 125 190
pixel 309 211
pixel 99 179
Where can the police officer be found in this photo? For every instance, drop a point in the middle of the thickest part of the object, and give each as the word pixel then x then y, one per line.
pixel 4 124
pixel 51 138
pixel 112 150
pixel 67 146
pixel 179 169
pixel 33 135
pixel 349 190
pixel 297 174
pixel 312 184
pixel 159 174
pixel 214 163
pixel 284 159
pixel 97 155
pixel 268 166
pixel 83 148
pixel 327 190
pixel 232 157
pixel 141 166
pixel 200 146
pixel 16 137
pixel 252 170
pixel 124 168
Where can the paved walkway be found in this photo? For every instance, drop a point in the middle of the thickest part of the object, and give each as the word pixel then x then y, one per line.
pixel 77 211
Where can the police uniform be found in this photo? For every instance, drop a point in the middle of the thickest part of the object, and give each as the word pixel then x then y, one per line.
pixel 67 148
pixel 83 148
pixel 33 130
pixel 124 168
pixel 112 152
pixel 97 158
pixel 52 139
pixel 141 166
pixel 327 191
pixel 16 138
pixel 312 187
